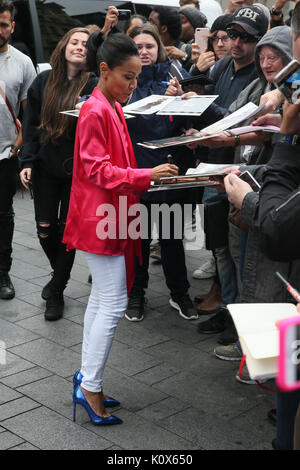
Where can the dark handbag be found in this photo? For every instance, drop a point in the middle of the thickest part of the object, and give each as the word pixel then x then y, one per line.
pixel 235 218
pixel 216 223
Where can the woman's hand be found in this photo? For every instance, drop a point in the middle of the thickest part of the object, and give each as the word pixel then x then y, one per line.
pixel 205 61
pixel 274 99
pixel 236 189
pixel 25 177
pixel 235 170
pixel 162 171
pixel 291 118
pixel 268 120
pixel 111 20
pixel 174 89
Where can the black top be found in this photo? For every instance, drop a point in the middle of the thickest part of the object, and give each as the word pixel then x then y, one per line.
pixel 55 159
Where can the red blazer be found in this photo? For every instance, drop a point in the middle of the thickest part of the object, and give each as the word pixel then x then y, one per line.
pixel 104 169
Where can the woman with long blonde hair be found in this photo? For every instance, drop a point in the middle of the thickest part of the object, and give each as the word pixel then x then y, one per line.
pixel 47 154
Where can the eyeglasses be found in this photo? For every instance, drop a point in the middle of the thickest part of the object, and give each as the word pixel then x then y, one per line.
pixel 216 39
pixel 244 37
pixel 271 58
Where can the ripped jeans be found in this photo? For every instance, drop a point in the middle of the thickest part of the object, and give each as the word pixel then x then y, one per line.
pixel 51 203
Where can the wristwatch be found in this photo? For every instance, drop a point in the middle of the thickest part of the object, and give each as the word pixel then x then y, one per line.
pixel 274 12
pixel 16 149
pixel 292 139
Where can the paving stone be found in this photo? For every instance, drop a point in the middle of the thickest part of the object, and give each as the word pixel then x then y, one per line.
pixel 25 240
pixel 9 440
pixel 204 394
pixel 207 430
pixel 54 393
pixel 162 409
pixel 13 335
pixel 26 271
pixel 136 335
pixel 23 288
pixel 16 310
pixel 64 332
pixel 14 364
pixel 133 395
pixel 25 446
pixel 129 360
pixel 156 374
pixel 34 257
pixel 16 407
pixel 49 355
pixel 174 326
pixel 26 377
pixel 48 430
pixel 138 433
pixel 177 354
pixel 7 394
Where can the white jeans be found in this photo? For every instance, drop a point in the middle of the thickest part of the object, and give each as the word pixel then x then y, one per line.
pixel 107 305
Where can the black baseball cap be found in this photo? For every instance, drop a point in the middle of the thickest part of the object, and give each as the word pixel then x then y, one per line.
pixel 252 19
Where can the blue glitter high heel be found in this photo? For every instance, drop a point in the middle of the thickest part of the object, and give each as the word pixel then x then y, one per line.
pixel 108 403
pixel 79 398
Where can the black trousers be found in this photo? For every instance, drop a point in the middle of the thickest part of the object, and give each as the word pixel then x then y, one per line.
pixel 51 203
pixel 172 259
pixel 8 172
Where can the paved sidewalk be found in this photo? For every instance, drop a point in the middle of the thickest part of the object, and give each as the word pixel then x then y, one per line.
pixel 175 393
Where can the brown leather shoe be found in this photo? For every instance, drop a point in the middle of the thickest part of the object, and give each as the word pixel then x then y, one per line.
pixel 214 288
pixel 211 304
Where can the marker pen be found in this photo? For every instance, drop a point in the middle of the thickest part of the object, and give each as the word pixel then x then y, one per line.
pixel 294 293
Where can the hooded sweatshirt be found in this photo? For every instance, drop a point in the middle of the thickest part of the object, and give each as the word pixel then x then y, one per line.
pixel 279 38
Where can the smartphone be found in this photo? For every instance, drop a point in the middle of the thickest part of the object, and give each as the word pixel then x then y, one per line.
pixel 246 176
pixel 124 15
pixel 288 378
pixel 201 38
pixel 288 81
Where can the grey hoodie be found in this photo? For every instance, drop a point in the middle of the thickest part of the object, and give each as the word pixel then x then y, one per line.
pixel 280 38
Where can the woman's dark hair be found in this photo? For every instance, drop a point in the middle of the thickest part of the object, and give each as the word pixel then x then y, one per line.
pixel 128 22
pixel 113 50
pixel 148 28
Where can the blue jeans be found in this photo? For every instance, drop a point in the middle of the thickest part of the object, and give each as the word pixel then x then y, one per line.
pixel 225 263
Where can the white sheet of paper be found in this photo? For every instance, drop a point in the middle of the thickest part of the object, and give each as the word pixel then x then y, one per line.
pixel 242 114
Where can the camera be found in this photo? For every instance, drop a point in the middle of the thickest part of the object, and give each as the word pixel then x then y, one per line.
pixel 288 81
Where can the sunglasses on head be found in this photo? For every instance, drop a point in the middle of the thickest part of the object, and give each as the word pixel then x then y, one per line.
pixel 244 37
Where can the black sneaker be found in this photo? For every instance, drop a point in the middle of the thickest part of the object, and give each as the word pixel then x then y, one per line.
pixel 46 292
pixel 215 324
pixel 229 335
pixel 185 307
pixel 7 290
pixel 54 307
pixel 135 308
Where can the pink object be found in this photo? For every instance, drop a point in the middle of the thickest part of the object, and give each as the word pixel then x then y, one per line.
pixel 104 169
pixel 284 346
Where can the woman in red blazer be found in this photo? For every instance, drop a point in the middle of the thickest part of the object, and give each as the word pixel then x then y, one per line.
pixel 105 187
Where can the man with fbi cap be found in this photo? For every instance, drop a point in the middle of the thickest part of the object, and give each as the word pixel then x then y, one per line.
pixel 231 75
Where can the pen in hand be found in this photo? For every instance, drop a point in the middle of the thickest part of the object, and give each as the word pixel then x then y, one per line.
pixel 294 293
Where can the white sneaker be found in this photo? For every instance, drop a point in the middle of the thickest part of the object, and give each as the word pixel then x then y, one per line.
pixel 206 271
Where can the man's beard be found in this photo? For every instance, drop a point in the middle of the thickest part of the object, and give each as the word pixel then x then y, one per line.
pixel 5 41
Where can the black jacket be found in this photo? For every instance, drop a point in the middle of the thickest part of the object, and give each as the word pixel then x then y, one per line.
pixel 279 208
pixel 56 160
